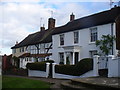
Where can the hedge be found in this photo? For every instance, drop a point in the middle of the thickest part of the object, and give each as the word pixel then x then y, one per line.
pixel 80 68
pixel 38 65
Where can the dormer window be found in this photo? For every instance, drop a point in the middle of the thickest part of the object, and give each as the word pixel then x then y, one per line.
pixel 62 39
pixel 76 37
pixel 93 34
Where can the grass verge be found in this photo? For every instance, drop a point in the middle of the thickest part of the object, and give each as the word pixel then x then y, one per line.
pixel 17 82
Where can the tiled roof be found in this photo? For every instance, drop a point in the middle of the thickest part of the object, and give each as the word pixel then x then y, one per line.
pixel 101 18
pixel 44 36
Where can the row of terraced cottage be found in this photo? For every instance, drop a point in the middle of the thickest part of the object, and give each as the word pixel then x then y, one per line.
pixel 73 41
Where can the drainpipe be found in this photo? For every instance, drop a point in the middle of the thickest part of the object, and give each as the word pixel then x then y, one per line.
pixel 112 35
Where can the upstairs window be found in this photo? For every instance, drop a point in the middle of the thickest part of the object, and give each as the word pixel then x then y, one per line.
pixel 14 51
pixel 22 49
pixel 62 39
pixel 76 37
pixel 93 33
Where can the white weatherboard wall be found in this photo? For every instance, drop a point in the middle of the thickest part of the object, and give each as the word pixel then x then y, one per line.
pixel 84 41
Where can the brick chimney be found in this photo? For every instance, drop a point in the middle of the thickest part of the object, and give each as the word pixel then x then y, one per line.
pixel 16 43
pixel 72 17
pixel 42 28
pixel 51 23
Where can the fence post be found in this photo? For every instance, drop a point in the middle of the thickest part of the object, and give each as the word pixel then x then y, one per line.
pixel 110 65
pixel 53 70
pixel 47 69
pixel 95 65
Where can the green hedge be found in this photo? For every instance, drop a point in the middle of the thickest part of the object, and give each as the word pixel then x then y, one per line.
pixel 38 65
pixel 80 68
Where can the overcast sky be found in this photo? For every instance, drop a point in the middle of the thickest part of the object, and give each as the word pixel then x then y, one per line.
pixel 19 18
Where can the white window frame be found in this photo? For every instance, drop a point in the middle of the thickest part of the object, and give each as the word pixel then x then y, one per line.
pixel 76 37
pixel 62 41
pixel 92 53
pixel 93 34
pixel 60 57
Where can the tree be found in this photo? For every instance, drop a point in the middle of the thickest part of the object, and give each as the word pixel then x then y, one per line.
pixel 105 44
pixel 16 61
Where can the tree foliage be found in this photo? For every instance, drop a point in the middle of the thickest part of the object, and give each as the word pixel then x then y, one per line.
pixel 105 44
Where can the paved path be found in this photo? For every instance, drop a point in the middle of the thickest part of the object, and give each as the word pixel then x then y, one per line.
pixel 102 81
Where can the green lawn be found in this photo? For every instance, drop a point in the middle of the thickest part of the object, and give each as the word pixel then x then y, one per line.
pixel 17 82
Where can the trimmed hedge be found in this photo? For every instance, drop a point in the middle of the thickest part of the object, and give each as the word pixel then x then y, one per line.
pixel 80 68
pixel 38 65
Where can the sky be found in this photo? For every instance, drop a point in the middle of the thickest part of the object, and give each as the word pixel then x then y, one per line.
pixel 19 18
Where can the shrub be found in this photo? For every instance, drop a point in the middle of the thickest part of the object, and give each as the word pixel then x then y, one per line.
pixel 64 69
pixel 80 68
pixel 37 66
pixel 83 66
pixel 49 61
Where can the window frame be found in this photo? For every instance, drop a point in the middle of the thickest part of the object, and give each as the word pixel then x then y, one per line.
pixel 60 55
pixel 92 53
pixel 62 39
pixel 93 34
pixel 76 37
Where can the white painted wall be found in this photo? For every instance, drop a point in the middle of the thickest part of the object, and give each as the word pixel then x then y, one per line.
pixel 84 41
pixel 114 67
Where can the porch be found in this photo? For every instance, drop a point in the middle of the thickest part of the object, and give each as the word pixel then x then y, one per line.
pixel 71 55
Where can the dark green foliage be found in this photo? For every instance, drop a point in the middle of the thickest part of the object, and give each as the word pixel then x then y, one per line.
pixel 16 61
pixel 80 68
pixel 49 61
pixel 37 66
pixel 83 66
pixel 64 69
pixel 105 44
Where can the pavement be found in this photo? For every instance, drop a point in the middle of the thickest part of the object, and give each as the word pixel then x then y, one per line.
pixel 100 81
pixel 112 82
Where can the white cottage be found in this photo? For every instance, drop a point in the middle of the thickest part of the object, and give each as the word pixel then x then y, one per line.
pixel 76 40
pixel 36 46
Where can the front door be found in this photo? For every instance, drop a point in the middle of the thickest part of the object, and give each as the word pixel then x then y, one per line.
pixel 76 57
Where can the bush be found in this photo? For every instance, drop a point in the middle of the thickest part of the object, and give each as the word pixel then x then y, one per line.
pixel 37 66
pixel 64 69
pixel 80 68
pixel 83 66
pixel 49 61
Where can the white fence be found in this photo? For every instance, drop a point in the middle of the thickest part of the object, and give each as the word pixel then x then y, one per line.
pixel 114 67
pixel 112 64
pixel 103 63
pixel 64 76
pixel 38 73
